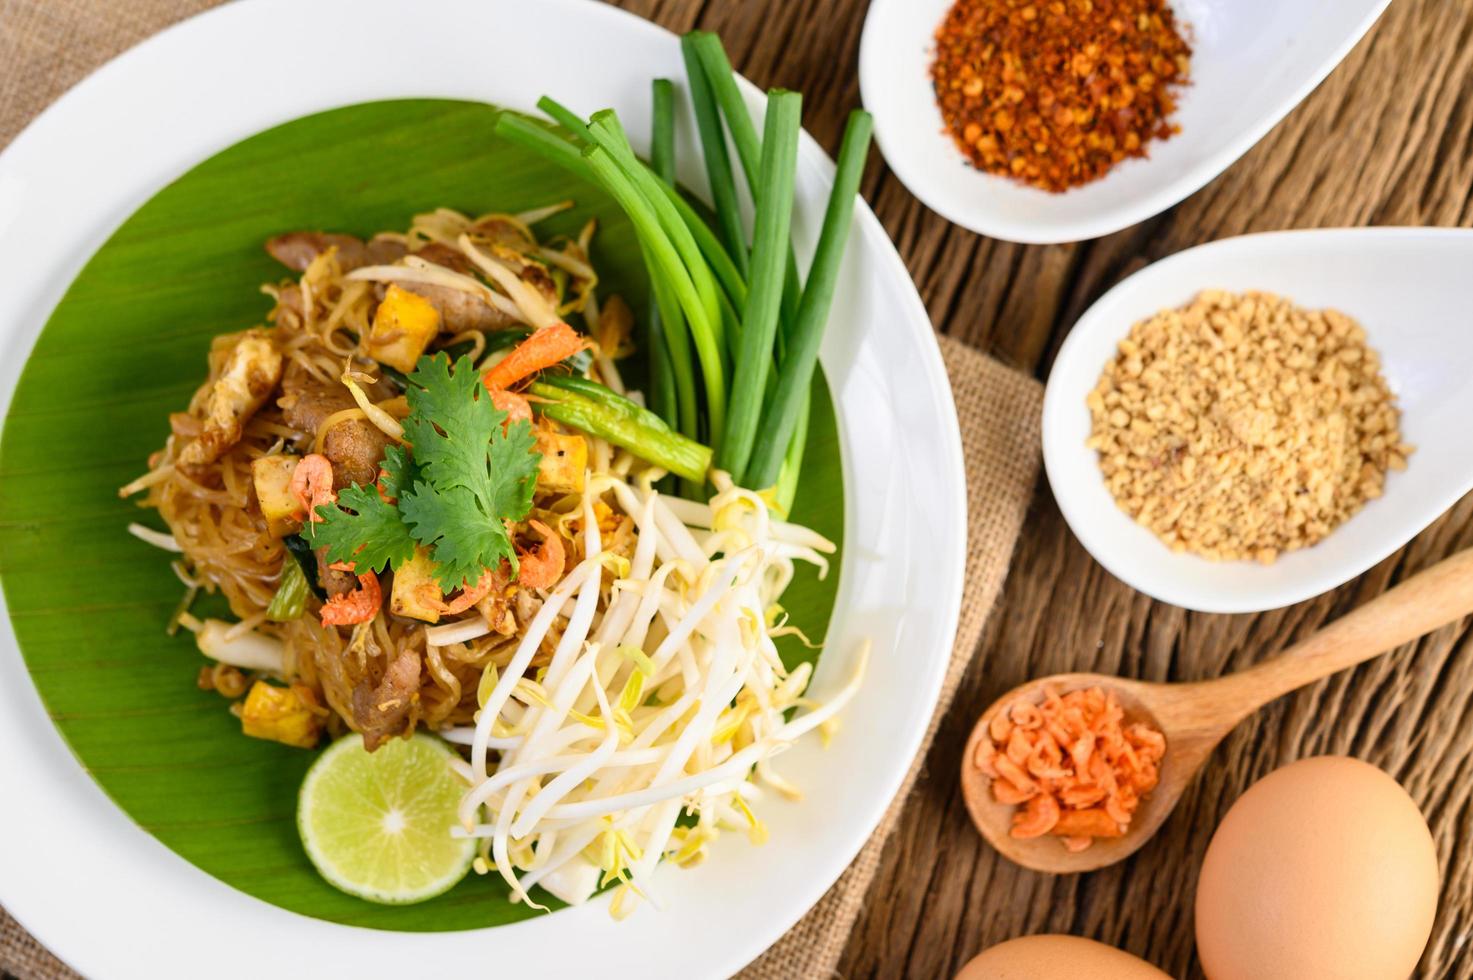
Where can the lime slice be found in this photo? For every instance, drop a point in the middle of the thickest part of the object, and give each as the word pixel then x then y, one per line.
pixel 377 825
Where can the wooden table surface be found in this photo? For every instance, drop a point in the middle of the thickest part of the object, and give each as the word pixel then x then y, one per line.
pixel 1386 140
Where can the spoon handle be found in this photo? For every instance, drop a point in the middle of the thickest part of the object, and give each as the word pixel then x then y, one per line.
pixel 1433 597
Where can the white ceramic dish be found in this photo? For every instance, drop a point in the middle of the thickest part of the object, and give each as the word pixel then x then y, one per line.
pixel 1406 286
pixel 1252 61
pixel 113 901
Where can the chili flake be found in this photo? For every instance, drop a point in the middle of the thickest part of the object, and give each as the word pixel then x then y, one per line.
pixel 1054 93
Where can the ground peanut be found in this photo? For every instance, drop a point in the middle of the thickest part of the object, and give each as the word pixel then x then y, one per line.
pixel 1242 426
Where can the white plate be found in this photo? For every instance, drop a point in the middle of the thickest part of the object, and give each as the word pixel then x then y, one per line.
pixel 114 902
pixel 1252 61
pixel 1406 286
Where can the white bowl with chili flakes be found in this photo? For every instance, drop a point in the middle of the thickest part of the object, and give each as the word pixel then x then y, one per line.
pixel 1251 62
pixel 1405 286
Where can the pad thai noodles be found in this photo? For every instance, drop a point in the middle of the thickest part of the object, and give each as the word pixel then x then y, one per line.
pixel 615 667
pixel 431 502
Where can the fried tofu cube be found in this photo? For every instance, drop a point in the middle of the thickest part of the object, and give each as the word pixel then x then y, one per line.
pixel 407 598
pixel 272 476
pixel 403 327
pixel 564 461
pixel 281 714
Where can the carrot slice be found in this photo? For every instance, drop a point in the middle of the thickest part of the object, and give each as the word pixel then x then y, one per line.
pixel 546 347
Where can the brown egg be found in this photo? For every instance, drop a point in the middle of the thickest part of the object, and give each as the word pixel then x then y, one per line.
pixel 1324 868
pixel 1057 958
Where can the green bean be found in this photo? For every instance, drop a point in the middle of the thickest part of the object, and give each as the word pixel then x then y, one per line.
pixel 713 149
pixel 620 421
pixel 769 245
pixel 796 374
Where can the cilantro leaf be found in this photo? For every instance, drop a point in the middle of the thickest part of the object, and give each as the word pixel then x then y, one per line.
pixel 464 542
pixel 451 421
pixel 370 533
pixel 476 473
pixel 399 472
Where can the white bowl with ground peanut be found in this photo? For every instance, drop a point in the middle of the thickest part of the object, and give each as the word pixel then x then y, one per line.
pixel 1253 422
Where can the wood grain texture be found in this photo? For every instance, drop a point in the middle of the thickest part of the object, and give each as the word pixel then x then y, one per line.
pixel 1195 716
pixel 1387 139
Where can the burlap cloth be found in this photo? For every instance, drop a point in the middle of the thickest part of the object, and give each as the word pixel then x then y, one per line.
pixel 46 46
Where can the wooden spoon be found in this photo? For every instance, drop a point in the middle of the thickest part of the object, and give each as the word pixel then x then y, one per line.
pixel 1194 717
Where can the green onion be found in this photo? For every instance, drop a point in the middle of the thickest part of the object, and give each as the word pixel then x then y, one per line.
pixel 732 320
pixel 769 246
pixel 726 270
pixel 732 280
pixel 537 137
pixel 662 138
pixel 741 316
pixel 792 468
pixel 708 48
pixel 290 600
pixel 592 408
pixel 677 348
pixel 662 152
pixel 565 117
pixel 666 261
pixel 796 374
pixel 713 147
pixel 606 131
pixel 722 79
pixel 557 150
pixel 560 151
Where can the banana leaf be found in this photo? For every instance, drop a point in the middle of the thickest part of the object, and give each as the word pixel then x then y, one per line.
pixel 125 347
